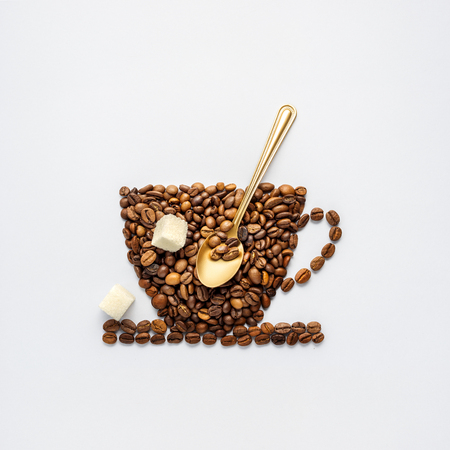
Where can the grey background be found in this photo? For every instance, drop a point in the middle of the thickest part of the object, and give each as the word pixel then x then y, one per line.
pixel 97 95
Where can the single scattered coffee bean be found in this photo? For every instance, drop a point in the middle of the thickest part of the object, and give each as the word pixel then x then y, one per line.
pixel 303 221
pixel 313 327
pixel 287 284
pixel 333 218
pixel 209 339
pixel 302 276
pixel 278 339
pixel 109 338
pixel 316 214
pixel 228 341
pixel 239 331
pixel 192 338
pixel 254 331
pixel 304 338
pixel 267 328
pixel 111 325
pixel 318 338
pixel 126 338
pixel 328 250
pixel 245 340
pixel 157 339
pixel 298 327
pixel 128 326
pixel 317 263
pixel 262 339
pixel 282 328
pixel 335 233
pixel 159 326
pixel 174 337
pixel 143 326
pixel 142 338
pixel 292 338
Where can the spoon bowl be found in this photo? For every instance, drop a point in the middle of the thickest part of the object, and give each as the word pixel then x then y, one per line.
pixel 213 273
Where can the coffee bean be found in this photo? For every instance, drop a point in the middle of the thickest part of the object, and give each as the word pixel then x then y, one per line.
pixel 317 338
pixel 157 339
pixel 316 214
pixel 192 338
pixel 233 253
pixel 328 250
pixel 267 328
pixel 214 241
pixel 148 258
pixel 159 301
pixel 292 338
pixel 302 276
pixel 228 340
pixel 298 327
pixel 126 338
pixel 209 339
pixel 124 191
pixel 262 339
pixel 278 339
pixel 333 218
pixel 303 220
pixel 111 325
pixel 174 338
pixel 142 338
pixel 181 326
pixel 254 331
pixel 255 275
pixel 143 326
pixel 313 327
pixel 245 340
pixel 317 263
pixel 282 328
pixel 304 338
pixel 242 234
pixel 109 338
pixel 258 316
pixel 128 326
pixel 335 233
pixel 239 331
pixel 287 284
pixel 159 326
pixel 232 242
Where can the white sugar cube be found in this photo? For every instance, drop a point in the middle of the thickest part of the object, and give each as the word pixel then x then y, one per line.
pixel 170 233
pixel 116 303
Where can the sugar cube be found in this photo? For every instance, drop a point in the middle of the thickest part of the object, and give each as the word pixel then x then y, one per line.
pixel 116 303
pixel 170 233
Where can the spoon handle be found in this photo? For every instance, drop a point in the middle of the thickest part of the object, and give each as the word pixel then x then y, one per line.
pixel 283 121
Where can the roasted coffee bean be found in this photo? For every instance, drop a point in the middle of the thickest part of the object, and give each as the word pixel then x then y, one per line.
pixel 292 338
pixel 232 242
pixel 313 327
pixel 316 214
pixel 228 340
pixel 298 327
pixel 333 218
pixel 157 339
pixel 181 326
pixel 159 326
pixel 244 340
pixel 317 263
pixel 192 338
pixel 278 339
pixel 143 326
pixel 302 276
pixel 126 338
pixel 209 339
pixel 111 325
pixel 254 331
pixel 233 253
pixel 303 220
pixel 148 258
pixel 159 301
pixel 174 337
pixel 267 328
pixel 128 326
pixel 304 338
pixel 109 338
pixel 142 338
pixel 335 233
pixel 242 234
pixel 287 284
pixel 258 316
pixel 282 328
pixel 262 339
pixel 328 250
pixel 318 338
pixel 124 191
pixel 239 331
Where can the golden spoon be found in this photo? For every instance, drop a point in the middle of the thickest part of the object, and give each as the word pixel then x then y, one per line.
pixel 215 273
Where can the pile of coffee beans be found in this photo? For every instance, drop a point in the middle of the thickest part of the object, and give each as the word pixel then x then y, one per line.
pixel 243 336
pixel 267 232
